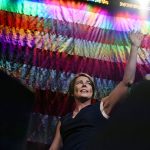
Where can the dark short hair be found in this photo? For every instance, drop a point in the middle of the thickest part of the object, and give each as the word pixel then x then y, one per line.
pixel 72 83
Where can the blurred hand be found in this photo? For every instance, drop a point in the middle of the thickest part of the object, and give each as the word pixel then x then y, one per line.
pixel 136 38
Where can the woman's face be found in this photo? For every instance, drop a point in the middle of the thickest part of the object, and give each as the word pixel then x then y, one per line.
pixel 83 88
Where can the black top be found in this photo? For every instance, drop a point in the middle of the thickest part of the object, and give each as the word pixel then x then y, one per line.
pixel 77 132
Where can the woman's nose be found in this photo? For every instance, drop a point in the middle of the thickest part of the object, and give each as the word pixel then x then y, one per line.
pixel 84 84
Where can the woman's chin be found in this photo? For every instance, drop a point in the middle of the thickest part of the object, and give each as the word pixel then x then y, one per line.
pixel 84 99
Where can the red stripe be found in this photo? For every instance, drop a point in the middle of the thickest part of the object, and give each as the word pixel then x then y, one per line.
pixel 21 21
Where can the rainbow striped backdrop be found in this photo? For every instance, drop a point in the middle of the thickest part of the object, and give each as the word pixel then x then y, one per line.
pixel 44 43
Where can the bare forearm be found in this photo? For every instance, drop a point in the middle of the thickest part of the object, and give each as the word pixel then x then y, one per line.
pixel 129 74
pixel 57 142
pixel 56 145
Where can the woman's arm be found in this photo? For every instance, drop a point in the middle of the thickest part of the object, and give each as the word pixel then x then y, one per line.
pixel 57 142
pixel 121 89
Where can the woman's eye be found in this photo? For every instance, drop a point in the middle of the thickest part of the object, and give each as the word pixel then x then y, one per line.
pixel 79 82
pixel 89 83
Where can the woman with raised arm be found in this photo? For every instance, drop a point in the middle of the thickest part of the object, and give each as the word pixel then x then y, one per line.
pixel 75 130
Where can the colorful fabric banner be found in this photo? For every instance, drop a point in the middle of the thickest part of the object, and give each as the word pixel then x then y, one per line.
pixel 45 43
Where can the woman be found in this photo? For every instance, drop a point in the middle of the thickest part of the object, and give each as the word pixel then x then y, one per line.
pixel 75 130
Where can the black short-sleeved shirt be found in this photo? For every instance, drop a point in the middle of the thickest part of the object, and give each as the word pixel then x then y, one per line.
pixel 78 132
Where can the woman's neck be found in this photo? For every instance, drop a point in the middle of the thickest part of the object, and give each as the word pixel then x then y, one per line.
pixel 80 105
